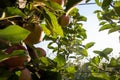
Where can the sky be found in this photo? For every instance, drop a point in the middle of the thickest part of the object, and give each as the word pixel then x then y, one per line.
pixel 102 39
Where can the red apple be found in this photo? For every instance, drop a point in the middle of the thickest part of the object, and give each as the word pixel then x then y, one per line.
pixel 64 20
pixel 14 62
pixel 15 47
pixel 60 2
pixel 41 51
pixel 25 75
pixel 36 35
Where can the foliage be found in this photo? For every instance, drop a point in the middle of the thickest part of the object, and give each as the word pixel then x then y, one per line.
pixel 22 24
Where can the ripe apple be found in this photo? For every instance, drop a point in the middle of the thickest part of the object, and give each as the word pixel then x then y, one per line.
pixel 41 51
pixel 25 75
pixel 14 62
pixel 36 35
pixel 64 20
pixel 60 2
pixel 15 47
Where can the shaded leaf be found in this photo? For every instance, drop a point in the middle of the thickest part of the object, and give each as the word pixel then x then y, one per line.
pixel 14 33
pixel 14 11
pixel 106 3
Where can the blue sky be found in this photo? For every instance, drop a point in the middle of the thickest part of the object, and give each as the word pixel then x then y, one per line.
pixel 102 39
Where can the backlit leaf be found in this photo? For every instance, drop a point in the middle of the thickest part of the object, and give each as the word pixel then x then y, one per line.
pixel 89 45
pixel 14 33
pixel 104 27
pixel 113 29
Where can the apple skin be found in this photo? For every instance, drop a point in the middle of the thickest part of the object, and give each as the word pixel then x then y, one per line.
pixel 15 47
pixel 41 51
pixel 25 75
pixel 36 35
pixel 64 20
pixel 60 2
pixel 14 62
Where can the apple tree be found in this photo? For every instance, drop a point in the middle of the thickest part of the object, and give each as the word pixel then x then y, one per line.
pixel 24 23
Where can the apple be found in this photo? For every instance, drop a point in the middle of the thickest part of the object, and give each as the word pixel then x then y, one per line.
pixel 15 47
pixel 41 51
pixel 14 62
pixel 60 2
pixel 64 20
pixel 25 75
pixel 36 35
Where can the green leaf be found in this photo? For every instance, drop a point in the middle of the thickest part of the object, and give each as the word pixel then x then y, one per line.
pixel 113 29
pixel 107 50
pixel 102 23
pixel 14 33
pixel 98 2
pixel 53 5
pixel 117 10
pixel 101 75
pixel 45 29
pixel 97 52
pixel 106 3
pixel 89 45
pixel 14 11
pixel 104 27
pixel 117 4
pixel 71 69
pixel 71 3
pixel 113 62
pixel 84 52
pixel 53 22
pixel 96 60
pixel 60 59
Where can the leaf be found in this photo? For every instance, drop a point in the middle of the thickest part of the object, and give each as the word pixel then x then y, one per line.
pixel 71 69
pixel 107 50
pixel 14 11
pixel 117 10
pixel 98 2
pixel 45 29
pixel 96 60
pixel 113 62
pixel 97 52
pixel 106 3
pixel 89 45
pixel 84 52
pixel 14 33
pixel 53 22
pixel 71 3
pixel 60 59
pixel 101 75
pixel 102 23
pixel 53 5
pixel 104 27
pixel 113 29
